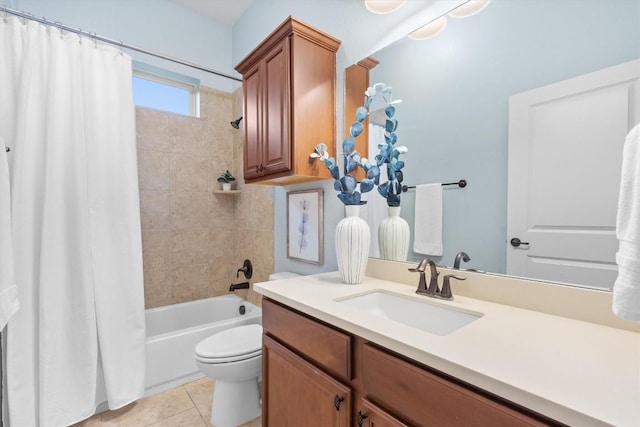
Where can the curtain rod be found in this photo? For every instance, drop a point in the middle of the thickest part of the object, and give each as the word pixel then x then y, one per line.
pixel 94 36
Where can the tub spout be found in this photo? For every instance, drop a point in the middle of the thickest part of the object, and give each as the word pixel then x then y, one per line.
pixel 234 286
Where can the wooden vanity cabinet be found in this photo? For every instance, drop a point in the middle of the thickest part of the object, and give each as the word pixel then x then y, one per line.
pixel 289 104
pixel 296 393
pixel 311 369
pixel 305 371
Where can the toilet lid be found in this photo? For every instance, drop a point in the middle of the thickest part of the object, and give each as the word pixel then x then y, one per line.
pixel 239 341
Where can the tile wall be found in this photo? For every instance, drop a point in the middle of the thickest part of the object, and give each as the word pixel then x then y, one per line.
pixel 193 239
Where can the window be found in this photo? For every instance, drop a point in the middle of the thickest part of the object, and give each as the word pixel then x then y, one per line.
pixel 165 90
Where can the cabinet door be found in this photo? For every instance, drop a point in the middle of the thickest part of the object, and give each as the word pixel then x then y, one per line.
pixel 296 393
pixel 276 137
pixel 373 416
pixel 252 123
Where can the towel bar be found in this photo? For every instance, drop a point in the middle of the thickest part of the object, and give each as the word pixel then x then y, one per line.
pixel 462 183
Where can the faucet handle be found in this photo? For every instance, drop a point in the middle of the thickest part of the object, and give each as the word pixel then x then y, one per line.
pixel 246 269
pixel 445 293
pixel 421 267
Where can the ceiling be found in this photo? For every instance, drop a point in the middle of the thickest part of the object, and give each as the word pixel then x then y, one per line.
pixel 225 12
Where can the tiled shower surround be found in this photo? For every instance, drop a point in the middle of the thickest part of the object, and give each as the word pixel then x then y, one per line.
pixel 194 240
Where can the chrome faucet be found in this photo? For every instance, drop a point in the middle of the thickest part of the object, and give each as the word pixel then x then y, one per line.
pixel 463 256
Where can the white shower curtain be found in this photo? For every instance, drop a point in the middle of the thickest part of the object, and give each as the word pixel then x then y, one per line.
pixel 67 113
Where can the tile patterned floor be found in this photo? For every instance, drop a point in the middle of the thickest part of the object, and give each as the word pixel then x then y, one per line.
pixel 188 405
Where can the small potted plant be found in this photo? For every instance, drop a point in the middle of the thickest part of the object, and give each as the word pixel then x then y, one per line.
pixel 226 179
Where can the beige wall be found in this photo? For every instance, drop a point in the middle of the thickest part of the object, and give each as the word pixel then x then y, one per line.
pixel 194 240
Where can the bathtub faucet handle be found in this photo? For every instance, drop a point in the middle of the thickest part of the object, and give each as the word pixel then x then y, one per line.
pixel 246 269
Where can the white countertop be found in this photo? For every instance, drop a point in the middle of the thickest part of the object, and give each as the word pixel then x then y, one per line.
pixel 575 372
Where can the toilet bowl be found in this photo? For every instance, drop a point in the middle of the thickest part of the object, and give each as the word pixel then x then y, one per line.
pixel 233 358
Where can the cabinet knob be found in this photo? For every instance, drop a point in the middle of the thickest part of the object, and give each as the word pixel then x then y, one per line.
pixel 337 401
pixel 361 417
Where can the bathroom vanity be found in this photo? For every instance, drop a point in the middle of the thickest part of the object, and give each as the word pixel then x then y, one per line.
pixel 328 356
pixel 359 380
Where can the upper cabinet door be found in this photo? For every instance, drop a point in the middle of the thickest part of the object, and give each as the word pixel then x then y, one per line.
pixel 252 120
pixel 276 142
pixel 289 91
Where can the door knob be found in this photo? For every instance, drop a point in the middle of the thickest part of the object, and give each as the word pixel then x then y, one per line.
pixel 515 242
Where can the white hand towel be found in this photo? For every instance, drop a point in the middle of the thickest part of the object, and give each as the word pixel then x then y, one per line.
pixel 8 290
pixel 626 290
pixel 427 237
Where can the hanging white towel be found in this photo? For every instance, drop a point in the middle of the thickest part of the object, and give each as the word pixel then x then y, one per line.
pixel 8 290
pixel 626 290
pixel 428 220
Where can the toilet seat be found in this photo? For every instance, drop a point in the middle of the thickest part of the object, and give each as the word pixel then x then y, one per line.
pixel 231 345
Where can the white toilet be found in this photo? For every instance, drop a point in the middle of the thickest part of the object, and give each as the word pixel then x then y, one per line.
pixel 233 358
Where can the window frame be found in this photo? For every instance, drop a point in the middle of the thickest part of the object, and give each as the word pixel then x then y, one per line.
pixel 173 79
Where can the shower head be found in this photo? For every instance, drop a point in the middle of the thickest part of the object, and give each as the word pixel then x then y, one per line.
pixel 236 123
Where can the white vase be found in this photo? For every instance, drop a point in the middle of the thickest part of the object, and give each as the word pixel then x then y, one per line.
pixel 393 236
pixel 353 238
pixel 226 186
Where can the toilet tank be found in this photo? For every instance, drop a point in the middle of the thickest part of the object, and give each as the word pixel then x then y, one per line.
pixel 282 275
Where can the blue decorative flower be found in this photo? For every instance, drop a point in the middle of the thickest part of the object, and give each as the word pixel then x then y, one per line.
pixel 347 184
pixel 389 152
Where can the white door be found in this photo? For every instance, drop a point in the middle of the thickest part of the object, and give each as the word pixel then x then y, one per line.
pixel 565 156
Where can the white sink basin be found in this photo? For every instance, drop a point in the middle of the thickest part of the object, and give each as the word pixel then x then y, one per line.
pixel 423 315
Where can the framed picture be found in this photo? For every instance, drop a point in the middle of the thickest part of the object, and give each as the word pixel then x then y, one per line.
pixel 304 226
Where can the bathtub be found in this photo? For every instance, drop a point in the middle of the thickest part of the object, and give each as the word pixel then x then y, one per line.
pixel 174 330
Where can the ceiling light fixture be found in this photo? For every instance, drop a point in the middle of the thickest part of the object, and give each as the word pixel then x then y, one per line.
pixel 430 30
pixel 383 6
pixel 469 8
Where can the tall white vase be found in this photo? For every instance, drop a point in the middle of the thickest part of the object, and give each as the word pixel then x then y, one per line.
pixel 353 238
pixel 393 236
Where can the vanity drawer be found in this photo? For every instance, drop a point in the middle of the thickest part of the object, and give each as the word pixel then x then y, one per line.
pixel 325 346
pixel 422 398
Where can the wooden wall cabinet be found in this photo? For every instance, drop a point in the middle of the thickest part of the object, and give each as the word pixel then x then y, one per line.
pixel 289 104
pixel 311 369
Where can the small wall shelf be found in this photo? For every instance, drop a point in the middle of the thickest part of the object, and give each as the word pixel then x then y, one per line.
pixel 226 192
